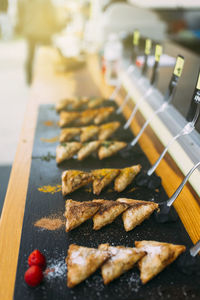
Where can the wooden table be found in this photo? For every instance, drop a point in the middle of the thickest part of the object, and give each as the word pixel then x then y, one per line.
pixel 49 86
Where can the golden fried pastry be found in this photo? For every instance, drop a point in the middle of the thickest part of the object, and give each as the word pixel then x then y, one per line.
pixel 73 180
pixel 79 102
pixel 108 148
pixel 103 177
pixel 68 134
pixel 103 113
pixel 106 130
pixel 67 151
pixel 159 256
pixel 88 132
pixel 94 102
pixel 87 149
pixel 63 104
pixel 107 213
pixel 86 117
pixel 82 262
pixel 121 260
pixel 125 177
pixel 73 102
pixel 68 117
pixel 78 212
pixel 137 212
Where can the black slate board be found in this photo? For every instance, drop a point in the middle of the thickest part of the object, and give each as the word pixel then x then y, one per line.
pixel 171 283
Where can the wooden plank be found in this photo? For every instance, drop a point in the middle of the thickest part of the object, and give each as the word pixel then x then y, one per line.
pixel 13 210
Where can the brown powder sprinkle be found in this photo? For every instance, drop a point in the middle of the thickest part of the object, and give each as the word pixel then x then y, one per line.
pixel 50 223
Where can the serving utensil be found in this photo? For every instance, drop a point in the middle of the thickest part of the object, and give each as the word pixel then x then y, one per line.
pixel 140 101
pixel 189 261
pixel 151 89
pixel 188 128
pixel 167 98
pixel 126 98
pixel 163 215
pixel 158 53
pixel 192 118
pixel 195 249
pixel 147 52
pixel 129 70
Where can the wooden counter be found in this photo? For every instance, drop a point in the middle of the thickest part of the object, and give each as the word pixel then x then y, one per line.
pixel 50 85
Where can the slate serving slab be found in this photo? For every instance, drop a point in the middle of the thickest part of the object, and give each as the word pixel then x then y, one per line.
pixel 170 283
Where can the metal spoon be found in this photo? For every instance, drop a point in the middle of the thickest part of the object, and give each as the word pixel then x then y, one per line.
pixel 163 215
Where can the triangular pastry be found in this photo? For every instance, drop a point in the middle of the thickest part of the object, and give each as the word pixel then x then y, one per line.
pixel 67 151
pixel 106 130
pixel 71 103
pixel 73 180
pixel 67 117
pixel 137 212
pixel 88 132
pixel 63 104
pixel 159 256
pixel 108 148
pixel 102 178
pixel 82 262
pixel 78 212
pixel 121 260
pixel 94 102
pixel 86 117
pixel 87 149
pixel 107 213
pixel 79 102
pixel 125 177
pixel 102 114
pixel 68 134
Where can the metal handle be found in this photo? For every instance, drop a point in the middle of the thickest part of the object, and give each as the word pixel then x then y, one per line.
pixel 127 97
pixel 154 78
pixel 115 92
pixel 159 110
pixel 186 130
pixel 120 109
pixel 129 70
pixel 140 101
pixel 181 186
pixel 195 249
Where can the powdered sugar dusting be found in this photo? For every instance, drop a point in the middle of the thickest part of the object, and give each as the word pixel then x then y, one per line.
pixel 56 269
pixel 152 250
pixel 77 258
pixel 119 253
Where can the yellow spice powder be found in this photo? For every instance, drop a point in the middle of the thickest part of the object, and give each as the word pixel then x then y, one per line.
pixel 52 189
pixel 51 140
pixel 48 123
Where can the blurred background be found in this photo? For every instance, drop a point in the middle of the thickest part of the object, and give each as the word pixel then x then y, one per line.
pixel 74 29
